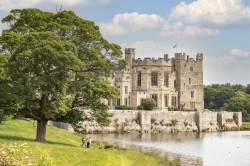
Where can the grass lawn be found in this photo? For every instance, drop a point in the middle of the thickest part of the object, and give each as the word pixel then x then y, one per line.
pixel 64 148
pixel 246 125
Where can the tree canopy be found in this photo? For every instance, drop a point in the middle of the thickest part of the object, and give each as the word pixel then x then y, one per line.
pixel 229 98
pixel 54 63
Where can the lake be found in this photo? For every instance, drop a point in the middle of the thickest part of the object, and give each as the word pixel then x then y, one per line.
pixel 194 149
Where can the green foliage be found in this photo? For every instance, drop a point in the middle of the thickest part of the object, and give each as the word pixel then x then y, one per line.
pixel 122 107
pixel 149 104
pixel 52 63
pixel 174 109
pixel 14 154
pixel 228 97
pixel 140 107
pixel 248 89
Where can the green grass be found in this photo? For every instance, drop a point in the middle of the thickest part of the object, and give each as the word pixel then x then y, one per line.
pixel 64 148
pixel 246 125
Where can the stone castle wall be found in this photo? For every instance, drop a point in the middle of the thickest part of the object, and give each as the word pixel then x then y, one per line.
pixel 125 121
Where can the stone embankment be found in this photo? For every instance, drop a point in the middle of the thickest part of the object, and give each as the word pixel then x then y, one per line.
pixel 125 121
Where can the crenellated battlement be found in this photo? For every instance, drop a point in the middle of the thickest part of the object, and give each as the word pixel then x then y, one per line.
pixel 180 56
pixel 151 61
pixel 129 50
pixel 199 56
pixel 165 61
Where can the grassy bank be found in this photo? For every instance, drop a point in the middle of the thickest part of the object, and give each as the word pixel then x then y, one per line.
pixel 64 148
pixel 246 125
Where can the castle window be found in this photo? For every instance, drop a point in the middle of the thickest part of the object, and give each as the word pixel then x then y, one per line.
pixel 117 102
pixel 126 89
pixel 154 77
pixel 191 69
pixel 174 83
pixel 139 78
pixel 166 100
pixel 192 104
pixel 155 97
pixel 189 80
pixel 174 104
pixel 165 79
pixel 126 101
pixel 118 90
pixel 192 94
pixel 142 101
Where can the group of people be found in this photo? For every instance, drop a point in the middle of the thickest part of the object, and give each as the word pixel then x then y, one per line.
pixel 87 143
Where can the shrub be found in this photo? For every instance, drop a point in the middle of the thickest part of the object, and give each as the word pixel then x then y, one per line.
pixel 140 107
pixel 149 104
pixel 107 146
pixel 122 107
pixel 173 108
pixel 14 154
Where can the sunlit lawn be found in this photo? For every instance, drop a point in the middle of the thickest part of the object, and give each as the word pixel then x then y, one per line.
pixel 246 125
pixel 64 147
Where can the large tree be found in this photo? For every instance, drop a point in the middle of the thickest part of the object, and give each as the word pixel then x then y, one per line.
pixel 57 62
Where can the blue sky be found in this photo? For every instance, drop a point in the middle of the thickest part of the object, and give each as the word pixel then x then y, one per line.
pixel 220 29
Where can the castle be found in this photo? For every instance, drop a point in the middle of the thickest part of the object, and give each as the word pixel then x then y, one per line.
pixel 171 82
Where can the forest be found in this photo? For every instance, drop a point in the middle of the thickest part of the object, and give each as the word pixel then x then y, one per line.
pixel 227 97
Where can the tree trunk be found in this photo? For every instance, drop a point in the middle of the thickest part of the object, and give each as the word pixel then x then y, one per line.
pixel 41 130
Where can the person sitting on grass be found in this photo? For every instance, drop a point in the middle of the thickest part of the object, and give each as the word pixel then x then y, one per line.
pixel 88 142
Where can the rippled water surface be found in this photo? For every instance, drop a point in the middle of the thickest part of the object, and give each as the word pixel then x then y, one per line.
pixel 209 149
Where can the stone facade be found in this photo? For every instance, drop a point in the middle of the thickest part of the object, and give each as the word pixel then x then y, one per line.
pixel 172 82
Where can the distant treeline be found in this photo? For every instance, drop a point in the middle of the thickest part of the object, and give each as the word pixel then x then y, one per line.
pixel 227 97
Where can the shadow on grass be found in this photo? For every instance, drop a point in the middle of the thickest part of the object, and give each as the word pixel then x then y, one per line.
pixel 18 138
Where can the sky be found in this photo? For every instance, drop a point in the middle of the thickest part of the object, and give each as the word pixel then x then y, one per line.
pixel 220 29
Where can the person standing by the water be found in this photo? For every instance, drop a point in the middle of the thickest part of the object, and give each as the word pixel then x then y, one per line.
pixel 89 142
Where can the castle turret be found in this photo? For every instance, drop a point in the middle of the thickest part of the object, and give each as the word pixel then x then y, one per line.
pixel 129 56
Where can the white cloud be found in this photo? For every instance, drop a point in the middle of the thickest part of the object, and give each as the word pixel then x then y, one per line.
pixel 128 22
pixel 84 3
pixel 235 52
pixel 7 5
pixel 235 55
pixel 177 29
pixel 219 12
pixel 68 2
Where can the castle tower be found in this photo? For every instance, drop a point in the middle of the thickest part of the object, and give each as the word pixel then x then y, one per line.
pixel 129 56
pixel 189 81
